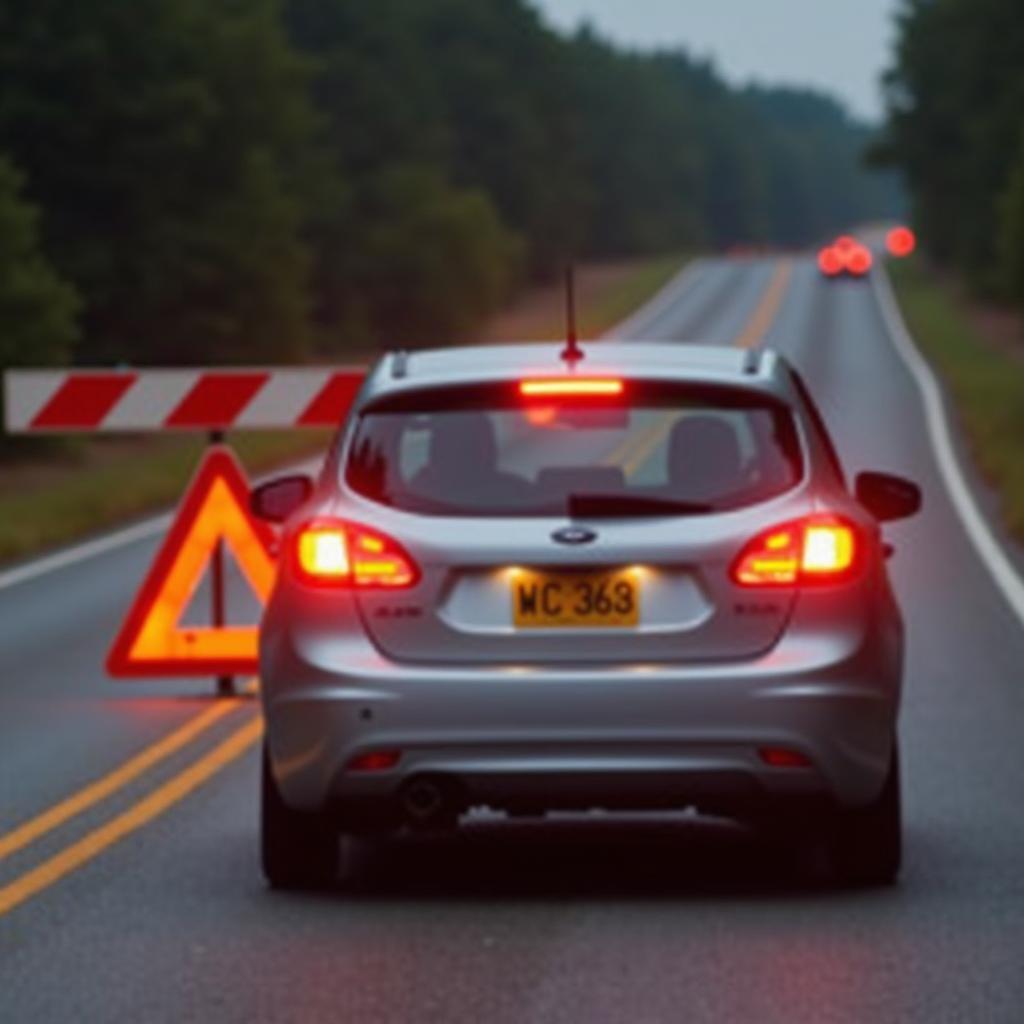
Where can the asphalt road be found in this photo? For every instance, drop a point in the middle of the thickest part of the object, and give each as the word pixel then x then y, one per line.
pixel 667 920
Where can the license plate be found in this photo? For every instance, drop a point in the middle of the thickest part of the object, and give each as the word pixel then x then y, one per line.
pixel 567 600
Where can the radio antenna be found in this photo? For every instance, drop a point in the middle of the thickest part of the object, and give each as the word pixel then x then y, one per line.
pixel 572 353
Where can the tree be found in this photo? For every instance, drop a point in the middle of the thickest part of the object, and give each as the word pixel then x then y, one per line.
pixel 1011 235
pixel 955 95
pixel 37 308
pixel 145 128
pixel 435 260
pixel 256 180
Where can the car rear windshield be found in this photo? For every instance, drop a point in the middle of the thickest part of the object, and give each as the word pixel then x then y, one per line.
pixel 486 451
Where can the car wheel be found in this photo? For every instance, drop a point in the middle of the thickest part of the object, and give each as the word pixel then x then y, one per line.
pixel 865 844
pixel 298 850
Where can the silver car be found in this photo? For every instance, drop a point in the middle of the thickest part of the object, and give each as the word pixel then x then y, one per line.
pixel 636 582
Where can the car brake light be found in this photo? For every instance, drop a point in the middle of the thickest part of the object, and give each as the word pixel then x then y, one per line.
pixel 827 549
pixel 568 387
pixel 331 552
pixel 818 549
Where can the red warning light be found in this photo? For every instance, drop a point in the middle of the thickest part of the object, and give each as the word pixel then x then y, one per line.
pixel 901 242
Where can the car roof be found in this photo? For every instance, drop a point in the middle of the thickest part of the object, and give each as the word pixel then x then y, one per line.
pixel 761 369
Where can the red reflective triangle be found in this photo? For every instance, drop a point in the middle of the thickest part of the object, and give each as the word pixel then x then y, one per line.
pixel 152 642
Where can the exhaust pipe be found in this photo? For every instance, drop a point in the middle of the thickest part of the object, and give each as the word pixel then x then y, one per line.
pixel 431 801
pixel 423 800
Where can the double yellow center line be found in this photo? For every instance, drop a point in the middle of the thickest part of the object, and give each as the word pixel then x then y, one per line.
pixel 141 813
pixel 768 308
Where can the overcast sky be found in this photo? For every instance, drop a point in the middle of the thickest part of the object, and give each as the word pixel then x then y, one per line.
pixel 841 46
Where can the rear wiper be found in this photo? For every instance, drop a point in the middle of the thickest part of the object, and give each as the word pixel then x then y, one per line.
pixel 611 505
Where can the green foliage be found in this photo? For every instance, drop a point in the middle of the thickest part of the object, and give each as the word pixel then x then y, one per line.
pixel 955 96
pixel 810 152
pixel 434 261
pixel 115 480
pixel 1011 231
pixel 165 139
pixel 37 308
pixel 263 180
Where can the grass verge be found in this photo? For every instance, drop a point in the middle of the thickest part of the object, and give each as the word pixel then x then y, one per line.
pixel 613 304
pixel 104 483
pixel 606 294
pixel 985 381
pixel 96 484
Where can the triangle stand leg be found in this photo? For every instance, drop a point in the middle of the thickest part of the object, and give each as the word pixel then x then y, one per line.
pixel 225 684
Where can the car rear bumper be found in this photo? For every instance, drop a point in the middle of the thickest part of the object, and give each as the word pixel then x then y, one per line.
pixel 622 736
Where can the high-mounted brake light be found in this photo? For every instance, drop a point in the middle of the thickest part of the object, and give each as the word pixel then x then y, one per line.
pixel 567 387
pixel 335 553
pixel 818 549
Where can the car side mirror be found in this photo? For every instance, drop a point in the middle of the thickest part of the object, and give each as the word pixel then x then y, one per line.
pixel 887 497
pixel 277 499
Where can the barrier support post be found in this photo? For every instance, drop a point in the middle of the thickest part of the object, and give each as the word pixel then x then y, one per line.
pixel 225 684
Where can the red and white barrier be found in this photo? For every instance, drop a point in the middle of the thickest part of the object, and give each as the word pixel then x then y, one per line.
pixel 62 401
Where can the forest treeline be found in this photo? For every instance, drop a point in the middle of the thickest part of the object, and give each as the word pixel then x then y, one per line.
pixel 955 97
pixel 222 181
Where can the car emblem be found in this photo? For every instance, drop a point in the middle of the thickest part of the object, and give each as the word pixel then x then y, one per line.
pixel 574 535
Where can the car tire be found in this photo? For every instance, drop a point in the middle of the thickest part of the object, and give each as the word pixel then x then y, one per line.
pixel 865 844
pixel 298 850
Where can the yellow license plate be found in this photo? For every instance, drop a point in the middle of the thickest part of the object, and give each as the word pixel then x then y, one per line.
pixel 564 600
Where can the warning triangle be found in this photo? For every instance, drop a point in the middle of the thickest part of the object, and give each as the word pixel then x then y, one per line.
pixel 153 641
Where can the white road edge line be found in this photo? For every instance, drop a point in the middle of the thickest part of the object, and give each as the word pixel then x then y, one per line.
pixel 82 552
pixel 978 530
pixel 68 557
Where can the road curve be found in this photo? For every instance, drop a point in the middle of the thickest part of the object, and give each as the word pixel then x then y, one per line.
pixel 667 920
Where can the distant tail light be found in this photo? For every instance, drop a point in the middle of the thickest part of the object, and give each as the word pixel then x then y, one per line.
pixel 859 261
pixel 829 262
pixel 818 549
pixel 901 242
pixel 330 552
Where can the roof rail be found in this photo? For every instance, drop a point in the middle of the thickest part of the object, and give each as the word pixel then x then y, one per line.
pixel 399 364
pixel 752 360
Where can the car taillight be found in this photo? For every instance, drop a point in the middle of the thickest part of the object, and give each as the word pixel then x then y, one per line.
pixel 901 242
pixel 829 261
pixel 818 549
pixel 860 260
pixel 335 553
